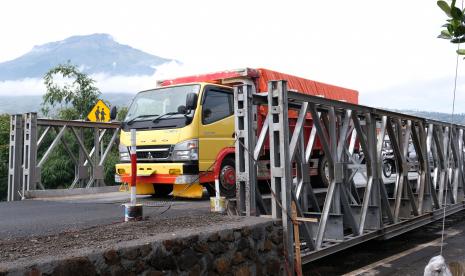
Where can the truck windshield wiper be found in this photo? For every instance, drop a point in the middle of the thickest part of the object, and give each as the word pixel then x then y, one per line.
pixel 165 115
pixel 138 117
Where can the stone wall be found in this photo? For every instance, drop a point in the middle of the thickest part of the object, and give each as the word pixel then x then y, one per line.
pixel 248 250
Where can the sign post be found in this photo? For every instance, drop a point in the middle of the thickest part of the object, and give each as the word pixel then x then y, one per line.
pixel 133 166
pixel 132 210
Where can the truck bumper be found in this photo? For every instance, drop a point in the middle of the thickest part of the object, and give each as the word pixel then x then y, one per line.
pixel 180 175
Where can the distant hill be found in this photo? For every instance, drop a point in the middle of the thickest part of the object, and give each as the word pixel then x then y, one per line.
pixel 445 117
pixel 24 104
pixel 96 53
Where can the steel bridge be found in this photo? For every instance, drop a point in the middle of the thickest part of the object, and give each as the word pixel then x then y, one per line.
pixel 33 140
pixel 350 214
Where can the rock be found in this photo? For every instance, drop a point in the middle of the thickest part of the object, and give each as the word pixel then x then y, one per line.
pixel 213 237
pixel 175 246
pixel 245 232
pixel 145 250
pixel 201 247
pixel 218 248
pixel 269 228
pixel 258 233
pixel 168 244
pixel 117 270
pixel 154 273
pixel 190 241
pixel 237 235
pixel 222 265
pixel 75 266
pixel 242 271
pixel 195 271
pixel 139 266
pixel 130 253
pixel 111 257
pixel 227 235
pixel 238 258
pixel 33 272
pixel 161 261
pixel 273 267
pixel 188 259
pixel 267 245
pixel 276 238
pixel 243 244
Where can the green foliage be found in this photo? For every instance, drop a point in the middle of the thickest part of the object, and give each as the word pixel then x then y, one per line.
pixel 454 29
pixel 4 144
pixel 75 89
pixel 122 112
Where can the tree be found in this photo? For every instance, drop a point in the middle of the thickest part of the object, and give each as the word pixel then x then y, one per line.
pixel 72 87
pixel 4 145
pixel 70 95
pixel 454 29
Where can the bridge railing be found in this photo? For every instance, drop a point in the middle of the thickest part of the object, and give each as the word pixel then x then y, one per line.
pixel 33 141
pixel 424 188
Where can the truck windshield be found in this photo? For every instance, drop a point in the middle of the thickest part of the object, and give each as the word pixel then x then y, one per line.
pixel 150 104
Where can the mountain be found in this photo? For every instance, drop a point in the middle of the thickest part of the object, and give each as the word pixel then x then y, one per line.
pixel 95 53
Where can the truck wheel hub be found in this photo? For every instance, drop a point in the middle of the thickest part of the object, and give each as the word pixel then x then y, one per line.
pixel 228 177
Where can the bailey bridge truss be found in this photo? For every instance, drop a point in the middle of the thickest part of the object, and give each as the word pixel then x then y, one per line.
pixel 33 141
pixel 352 138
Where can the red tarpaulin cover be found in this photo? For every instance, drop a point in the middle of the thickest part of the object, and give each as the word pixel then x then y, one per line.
pixel 307 86
pixel 263 76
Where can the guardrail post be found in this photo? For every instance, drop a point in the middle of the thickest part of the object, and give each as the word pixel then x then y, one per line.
pixel 31 175
pixel 281 180
pixel 246 168
pixel 15 156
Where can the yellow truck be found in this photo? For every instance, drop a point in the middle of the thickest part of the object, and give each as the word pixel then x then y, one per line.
pixel 185 131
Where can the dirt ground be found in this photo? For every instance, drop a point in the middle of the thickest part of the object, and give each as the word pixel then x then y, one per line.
pixel 104 236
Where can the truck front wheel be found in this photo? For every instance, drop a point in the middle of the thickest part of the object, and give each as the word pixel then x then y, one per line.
pixel 162 189
pixel 227 178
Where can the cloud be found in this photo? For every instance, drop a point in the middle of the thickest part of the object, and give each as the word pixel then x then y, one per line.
pixel 106 83
pixel 27 86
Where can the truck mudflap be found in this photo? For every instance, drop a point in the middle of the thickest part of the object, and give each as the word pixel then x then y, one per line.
pixel 184 185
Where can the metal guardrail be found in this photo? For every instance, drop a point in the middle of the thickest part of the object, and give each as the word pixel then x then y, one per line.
pixel 28 134
pixel 350 214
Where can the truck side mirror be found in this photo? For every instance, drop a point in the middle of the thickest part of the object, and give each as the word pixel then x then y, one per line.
pixel 191 101
pixel 113 112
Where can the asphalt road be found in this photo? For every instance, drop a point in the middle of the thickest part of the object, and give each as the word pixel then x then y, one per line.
pixel 40 217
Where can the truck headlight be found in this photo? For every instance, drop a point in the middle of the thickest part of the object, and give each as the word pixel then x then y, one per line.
pixel 185 151
pixel 124 154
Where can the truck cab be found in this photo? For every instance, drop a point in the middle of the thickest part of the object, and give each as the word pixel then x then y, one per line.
pixel 181 130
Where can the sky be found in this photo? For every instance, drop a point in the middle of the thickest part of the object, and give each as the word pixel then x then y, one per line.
pixel 387 50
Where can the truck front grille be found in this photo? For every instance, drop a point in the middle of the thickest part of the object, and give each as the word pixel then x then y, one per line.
pixel 153 153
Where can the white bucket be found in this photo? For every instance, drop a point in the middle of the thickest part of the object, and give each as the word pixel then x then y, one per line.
pixel 218 204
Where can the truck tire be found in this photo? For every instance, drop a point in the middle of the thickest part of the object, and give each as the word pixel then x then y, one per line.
pixel 387 168
pixel 323 171
pixel 227 178
pixel 162 189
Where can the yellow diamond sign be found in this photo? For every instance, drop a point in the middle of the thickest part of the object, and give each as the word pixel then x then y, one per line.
pixel 99 113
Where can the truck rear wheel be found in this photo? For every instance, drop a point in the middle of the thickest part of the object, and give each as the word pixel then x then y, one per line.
pixel 323 171
pixel 162 189
pixel 227 178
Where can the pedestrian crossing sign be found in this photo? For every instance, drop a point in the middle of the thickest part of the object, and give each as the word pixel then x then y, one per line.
pixel 99 113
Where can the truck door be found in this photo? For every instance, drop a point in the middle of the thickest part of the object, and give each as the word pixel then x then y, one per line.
pixel 217 124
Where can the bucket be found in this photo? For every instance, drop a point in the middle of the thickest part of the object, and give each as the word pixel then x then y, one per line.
pixel 132 212
pixel 218 204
